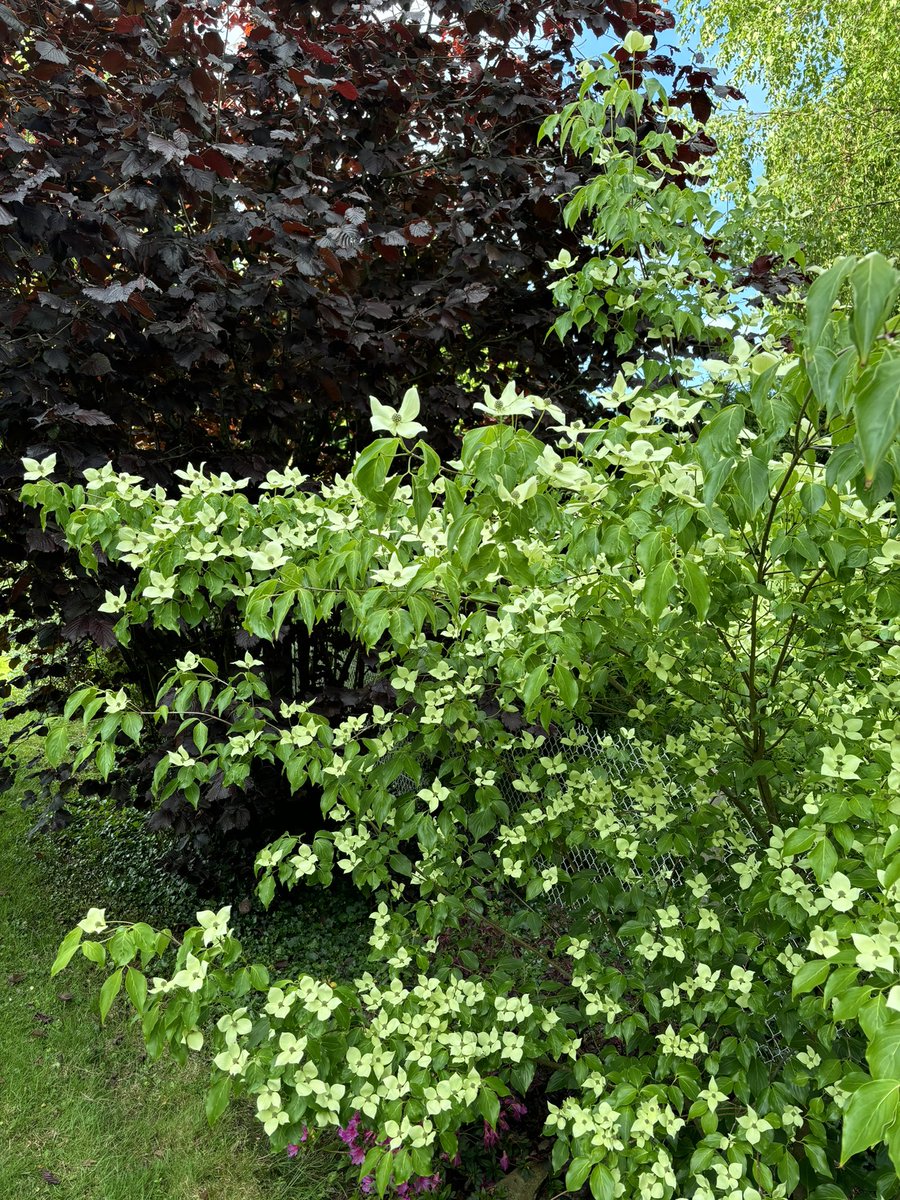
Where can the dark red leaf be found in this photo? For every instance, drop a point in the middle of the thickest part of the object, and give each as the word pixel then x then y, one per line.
pixel 113 61
pixel 204 85
pixel 214 160
pixel 347 89
pixel 96 364
pixel 140 305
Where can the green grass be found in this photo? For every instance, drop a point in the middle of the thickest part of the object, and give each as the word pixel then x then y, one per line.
pixel 83 1114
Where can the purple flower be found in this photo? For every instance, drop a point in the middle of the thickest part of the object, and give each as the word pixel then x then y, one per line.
pixel 427 1183
pixel 349 1132
pixel 504 1162
pixel 293 1150
pixel 366 1185
pixel 357 1155
pixel 491 1137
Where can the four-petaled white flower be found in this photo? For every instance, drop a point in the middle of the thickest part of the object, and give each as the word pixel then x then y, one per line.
pixel 36 469
pixel 400 423
pixel 840 892
pixel 214 924
pixel 94 922
pixel 192 974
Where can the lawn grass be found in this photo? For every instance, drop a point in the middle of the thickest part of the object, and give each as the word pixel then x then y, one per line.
pixel 83 1115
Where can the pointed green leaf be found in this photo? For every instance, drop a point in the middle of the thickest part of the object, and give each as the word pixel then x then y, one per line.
pixel 821 298
pixel 823 859
pixel 810 975
pixel 566 684
pixel 69 945
pixel 875 285
pixel 76 700
pixel 57 743
pixel 869 1113
pixel 109 991
pixel 719 437
pixel 217 1099
pixel 877 407
pixel 883 1052
pixel 579 1169
pixel 657 587
pixel 534 685
pixel 697 587
pixel 603 1186
pixel 136 987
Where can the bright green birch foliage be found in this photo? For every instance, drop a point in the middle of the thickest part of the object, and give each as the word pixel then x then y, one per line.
pixel 827 137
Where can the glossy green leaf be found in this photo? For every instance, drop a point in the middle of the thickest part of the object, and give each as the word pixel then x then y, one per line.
pixel 877 411
pixel 696 585
pixel 576 1175
pixel 883 1052
pixel 657 587
pixel 217 1098
pixel 109 991
pixel 875 284
pixel 68 947
pixel 810 975
pixel 870 1111
pixel 603 1185
pixel 57 743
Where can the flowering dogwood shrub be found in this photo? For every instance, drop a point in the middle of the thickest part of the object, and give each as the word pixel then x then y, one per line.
pixel 707 576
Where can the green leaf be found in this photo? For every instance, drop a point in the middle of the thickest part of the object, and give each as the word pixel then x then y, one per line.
pixel 657 587
pixel 132 724
pixel 534 685
pixel 76 700
pixel 94 952
pixel 821 297
pixel 265 889
pixel 68 946
pixel 489 1106
pixel 893 1145
pixel 799 840
pixel 259 977
pixel 869 1112
pixel 875 284
pixel 823 859
pixel 719 437
pixel 106 757
pixel 697 587
pixel 810 975
pixel 566 684
pixel 57 743
pixel 136 987
pixel 108 993
pixel 603 1186
pixel 217 1099
pixel 883 1052
pixel 383 1173
pixel 877 410
pixel 579 1169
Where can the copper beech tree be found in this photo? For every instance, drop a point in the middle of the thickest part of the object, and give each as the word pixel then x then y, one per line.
pixel 224 226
